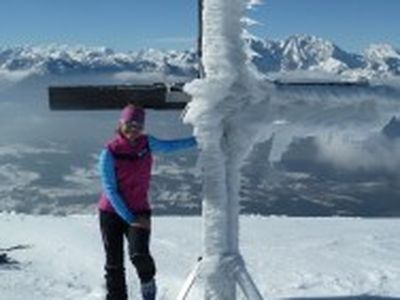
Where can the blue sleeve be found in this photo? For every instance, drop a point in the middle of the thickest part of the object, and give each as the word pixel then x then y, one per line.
pixel 110 188
pixel 167 146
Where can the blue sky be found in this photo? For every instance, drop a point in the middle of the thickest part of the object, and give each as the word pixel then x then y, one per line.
pixel 171 24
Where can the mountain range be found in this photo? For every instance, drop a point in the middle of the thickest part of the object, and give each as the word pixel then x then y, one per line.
pixel 296 53
pixel 48 166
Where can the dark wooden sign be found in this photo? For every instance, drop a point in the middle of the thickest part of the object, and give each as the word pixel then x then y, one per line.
pixel 154 96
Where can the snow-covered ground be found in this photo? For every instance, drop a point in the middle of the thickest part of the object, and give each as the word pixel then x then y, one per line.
pixel 289 258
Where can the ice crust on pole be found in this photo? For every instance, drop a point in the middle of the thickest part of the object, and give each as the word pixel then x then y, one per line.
pixel 226 89
pixel 218 98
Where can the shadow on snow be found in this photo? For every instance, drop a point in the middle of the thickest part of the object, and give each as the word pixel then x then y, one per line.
pixel 360 297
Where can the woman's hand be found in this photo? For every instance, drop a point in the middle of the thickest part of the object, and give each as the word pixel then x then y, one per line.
pixel 142 222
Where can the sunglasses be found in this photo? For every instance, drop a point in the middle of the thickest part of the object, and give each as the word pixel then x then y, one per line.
pixel 132 126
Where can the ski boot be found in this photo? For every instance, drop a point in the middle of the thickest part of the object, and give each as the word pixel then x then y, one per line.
pixel 149 290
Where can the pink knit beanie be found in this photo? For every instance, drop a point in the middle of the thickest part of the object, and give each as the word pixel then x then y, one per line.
pixel 131 114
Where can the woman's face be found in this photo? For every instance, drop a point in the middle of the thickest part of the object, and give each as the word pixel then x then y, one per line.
pixel 131 130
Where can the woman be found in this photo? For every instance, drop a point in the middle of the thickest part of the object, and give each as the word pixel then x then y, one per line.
pixel 125 171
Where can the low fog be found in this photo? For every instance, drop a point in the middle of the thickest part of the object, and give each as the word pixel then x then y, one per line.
pixel 318 142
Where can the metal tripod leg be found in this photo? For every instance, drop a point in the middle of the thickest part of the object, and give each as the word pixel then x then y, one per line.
pixel 247 285
pixel 242 278
pixel 189 281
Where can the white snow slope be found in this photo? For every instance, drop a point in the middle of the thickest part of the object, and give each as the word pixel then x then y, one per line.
pixel 289 258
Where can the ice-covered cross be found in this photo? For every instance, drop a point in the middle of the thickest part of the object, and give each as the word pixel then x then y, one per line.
pixel 217 111
pixel 232 108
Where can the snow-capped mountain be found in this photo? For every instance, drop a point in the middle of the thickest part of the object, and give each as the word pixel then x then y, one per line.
pixel 383 59
pixel 297 52
pixel 58 60
pixel 303 52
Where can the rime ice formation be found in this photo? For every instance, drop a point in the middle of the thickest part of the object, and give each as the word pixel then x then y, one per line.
pixel 218 101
